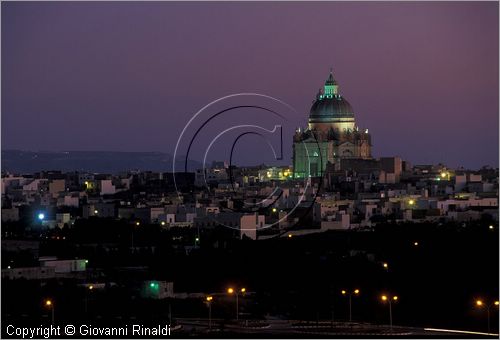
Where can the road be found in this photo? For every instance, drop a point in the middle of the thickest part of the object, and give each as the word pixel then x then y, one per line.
pixel 326 329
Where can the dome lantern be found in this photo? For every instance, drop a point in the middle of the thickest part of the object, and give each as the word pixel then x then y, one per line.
pixel 331 86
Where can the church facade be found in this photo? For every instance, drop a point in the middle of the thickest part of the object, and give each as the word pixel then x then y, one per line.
pixel 331 135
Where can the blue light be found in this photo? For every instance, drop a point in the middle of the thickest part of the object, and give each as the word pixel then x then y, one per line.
pixel 41 216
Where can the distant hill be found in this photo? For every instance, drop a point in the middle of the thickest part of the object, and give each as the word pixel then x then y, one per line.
pixel 94 161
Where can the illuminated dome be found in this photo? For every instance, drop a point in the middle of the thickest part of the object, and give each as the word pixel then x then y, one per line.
pixel 331 110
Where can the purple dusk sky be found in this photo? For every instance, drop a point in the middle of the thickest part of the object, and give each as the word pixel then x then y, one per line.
pixel 127 76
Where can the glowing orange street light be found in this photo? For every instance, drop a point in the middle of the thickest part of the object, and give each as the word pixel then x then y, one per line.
pixel 480 303
pixel 231 290
pixel 50 304
pixel 386 298
pixel 209 299
pixel 349 294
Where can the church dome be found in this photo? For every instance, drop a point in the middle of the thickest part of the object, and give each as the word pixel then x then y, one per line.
pixel 327 109
pixel 331 110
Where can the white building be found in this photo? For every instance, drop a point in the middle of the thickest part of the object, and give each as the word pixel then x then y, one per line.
pixel 249 224
pixel 107 187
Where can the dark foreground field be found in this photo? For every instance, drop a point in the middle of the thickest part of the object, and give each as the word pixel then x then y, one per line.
pixel 437 272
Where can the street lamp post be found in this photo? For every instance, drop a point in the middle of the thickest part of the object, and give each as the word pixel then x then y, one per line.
pixel 49 304
pixel 136 224
pixel 349 294
pixel 209 304
pixel 236 292
pixel 87 292
pixel 480 303
pixel 389 299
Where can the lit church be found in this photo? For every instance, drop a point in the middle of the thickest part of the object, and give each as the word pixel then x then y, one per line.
pixel 331 136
